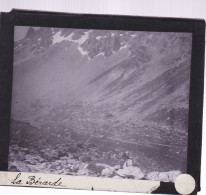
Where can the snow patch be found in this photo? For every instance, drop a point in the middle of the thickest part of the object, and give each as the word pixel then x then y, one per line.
pixel 82 51
pixel 133 35
pixel 83 38
pixel 98 37
pixel 57 38
pixel 100 54
pixel 81 41
pixel 124 46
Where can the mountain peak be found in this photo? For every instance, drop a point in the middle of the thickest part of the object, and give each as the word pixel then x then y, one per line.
pixel 30 33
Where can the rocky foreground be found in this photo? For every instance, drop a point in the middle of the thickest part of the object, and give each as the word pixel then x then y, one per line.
pixel 86 163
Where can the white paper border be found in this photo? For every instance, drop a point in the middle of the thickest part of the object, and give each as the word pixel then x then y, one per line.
pixel 77 182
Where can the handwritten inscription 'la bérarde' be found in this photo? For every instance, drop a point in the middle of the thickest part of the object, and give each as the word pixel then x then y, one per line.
pixel 34 181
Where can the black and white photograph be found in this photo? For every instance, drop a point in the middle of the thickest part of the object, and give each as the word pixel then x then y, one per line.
pixel 100 103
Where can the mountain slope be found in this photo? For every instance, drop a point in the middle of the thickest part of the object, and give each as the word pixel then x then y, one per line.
pixel 123 87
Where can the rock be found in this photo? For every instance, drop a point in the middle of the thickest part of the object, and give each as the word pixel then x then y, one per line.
pixel 94 157
pixel 94 168
pixel 72 150
pixel 52 155
pixel 62 154
pixel 89 146
pixel 13 168
pixel 131 172
pixel 116 167
pixel 108 155
pixel 108 171
pixel 125 155
pixel 163 176
pixel 53 166
pixel 54 158
pixel 30 162
pixel 173 175
pixel 75 156
pixel 117 177
pixel 80 145
pixel 108 115
pixel 28 157
pixel 128 163
pixel 83 171
pixel 131 177
pixel 66 157
pixel 78 166
pixel 85 159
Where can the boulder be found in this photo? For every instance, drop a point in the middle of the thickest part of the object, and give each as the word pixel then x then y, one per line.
pixel 85 159
pixel 62 154
pixel 94 168
pixel 130 172
pixel 80 145
pixel 83 171
pixel 117 177
pixel 164 176
pixel 72 150
pixel 108 171
pixel 174 174
pixel 13 168
pixel 77 166
pixel 128 163
pixel 116 167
